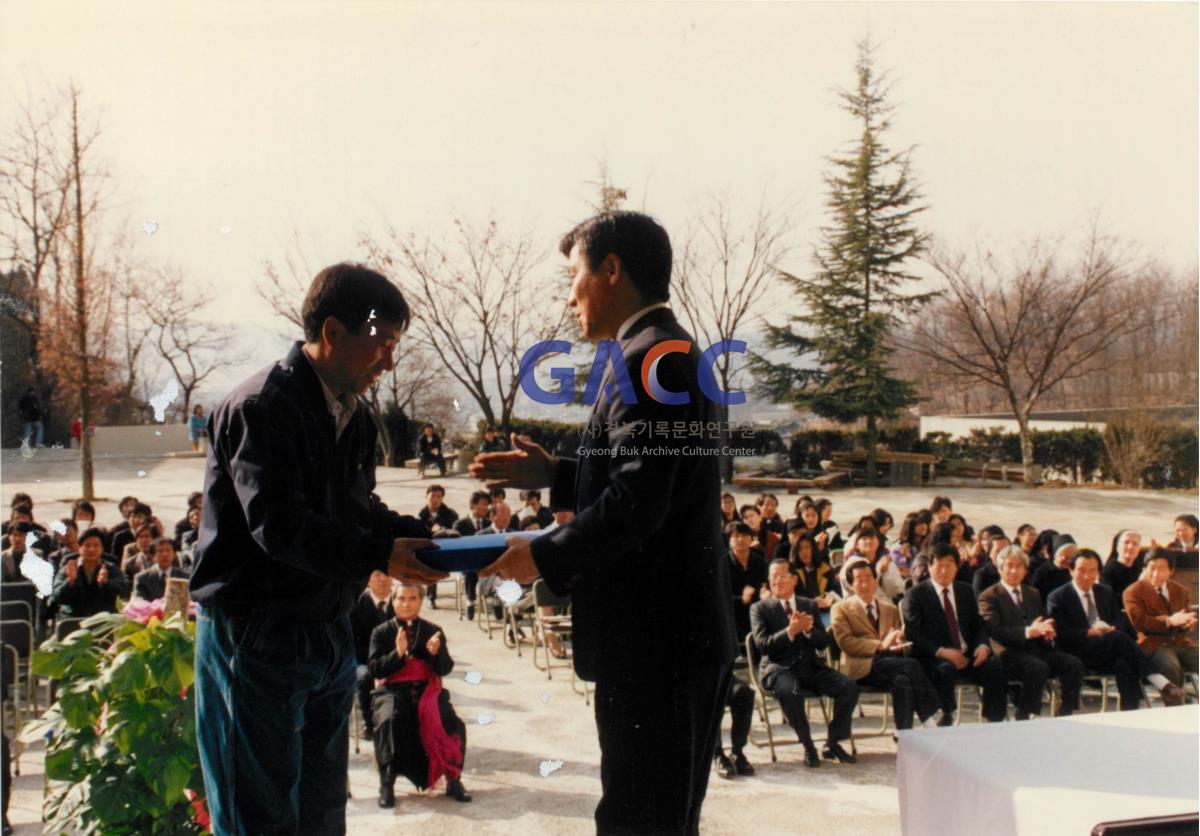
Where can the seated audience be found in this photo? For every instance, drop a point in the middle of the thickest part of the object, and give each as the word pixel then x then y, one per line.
pixel 1024 638
pixel 1026 538
pixel 195 501
pixel 987 573
pixel 834 540
pixel 942 621
pixel 867 629
pixel 534 509
pixel 729 511
pixel 492 442
pixel 67 542
pixel 768 509
pixel 151 584
pixel 417 733
pixel 1042 551
pixel 1091 626
pixel 372 608
pixel 139 515
pixel 470 525
pixel 763 538
pixel 429 450
pixel 138 556
pixel 788 633
pixel 941 508
pixel 866 544
pixel 1057 571
pixel 21 537
pixel 1124 565
pixel 439 519
pixel 748 581
pixel 1185 533
pixel 91 582
pixel 815 578
pixel 913 532
pixel 1160 610
pixel 187 540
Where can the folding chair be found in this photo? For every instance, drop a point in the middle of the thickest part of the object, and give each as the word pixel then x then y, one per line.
pixel 865 691
pixel 514 614
pixel 22 591
pixel 19 635
pixel 16 611
pixel 546 626
pixel 11 691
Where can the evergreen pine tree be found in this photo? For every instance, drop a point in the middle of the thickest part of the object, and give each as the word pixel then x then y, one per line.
pixel 861 287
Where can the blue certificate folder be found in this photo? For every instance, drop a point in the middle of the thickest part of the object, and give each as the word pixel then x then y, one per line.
pixel 469 554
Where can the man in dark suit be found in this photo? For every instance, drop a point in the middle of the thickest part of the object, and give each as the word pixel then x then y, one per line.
pixel 438 518
pixel 1091 626
pixel 371 609
pixel 789 635
pixel 474 523
pixel 659 662
pixel 151 584
pixel 1022 637
pixel 942 621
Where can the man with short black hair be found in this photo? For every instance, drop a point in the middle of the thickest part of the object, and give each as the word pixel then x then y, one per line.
pixel 429 450
pixel 1161 611
pixel 492 442
pixel 21 539
pixel 636 517
pixel 942 621
pixel 1091 626
pixel 290 531
pixel 151 584
pixel 438 519
pixel 90 583
pixel 474 523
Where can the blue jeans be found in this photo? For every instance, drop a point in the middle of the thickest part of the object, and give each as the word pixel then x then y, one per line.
pixel 273 699
pixel 31 429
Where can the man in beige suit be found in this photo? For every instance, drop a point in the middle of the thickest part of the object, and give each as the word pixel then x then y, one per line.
pixel 1160 610
pixel 868 632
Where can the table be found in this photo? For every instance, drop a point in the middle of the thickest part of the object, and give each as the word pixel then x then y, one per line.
pixel 1055 776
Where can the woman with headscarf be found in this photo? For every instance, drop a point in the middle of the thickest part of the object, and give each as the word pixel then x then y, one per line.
pixel 1124 564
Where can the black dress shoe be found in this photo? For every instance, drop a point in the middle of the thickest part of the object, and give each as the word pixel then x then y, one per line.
pixel 470 612
pixel 457 791
pixel 833 750
pixel 1173 695
pixel 742 765
pixel 387 796
pixel 811 760
pixel 947 719
pixel 724 766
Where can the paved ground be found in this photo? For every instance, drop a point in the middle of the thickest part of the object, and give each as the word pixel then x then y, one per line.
pixel 537 720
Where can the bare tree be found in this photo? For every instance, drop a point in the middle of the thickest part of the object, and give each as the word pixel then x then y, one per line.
pixel 410 386
pixel 722 276
pixel 192 347
pixel 285 285
pixel 478 304
pixel 1134 442
pixel 33 203
pixel 1027 326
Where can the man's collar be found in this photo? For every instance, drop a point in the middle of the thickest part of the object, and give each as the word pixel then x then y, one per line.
pixel 1011 589
pixel 336 405
pixel 1079 591
pixel 629 323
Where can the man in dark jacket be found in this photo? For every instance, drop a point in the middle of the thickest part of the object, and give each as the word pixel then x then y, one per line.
pixel 151 584
pixel 641 508
pixel 372 609
pixel 90 583
pixel 290 531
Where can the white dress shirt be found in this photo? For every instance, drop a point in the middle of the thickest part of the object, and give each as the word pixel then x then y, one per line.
pixel 629 323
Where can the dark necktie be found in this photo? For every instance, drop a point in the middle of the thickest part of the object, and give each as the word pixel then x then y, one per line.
pixel 787 609
pixel 951 619
pixel 1092 615
pixel 871 615
pixel 383 608
pixel 1017 596
pixel 478 524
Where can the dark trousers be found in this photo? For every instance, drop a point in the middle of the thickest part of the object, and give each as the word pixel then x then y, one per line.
pixel 471 583
pixel 658 735
pixel 789 687
pixel 273 699
pixel 1117 654
pixel 1172 661
pixel 363 685
pixel 1032 666
pixel 739 698
pixel 990 676
pixel 908 685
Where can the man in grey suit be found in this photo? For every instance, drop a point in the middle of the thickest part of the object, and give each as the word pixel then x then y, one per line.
pixel 1023 638
pixel 151 584
pixel 660 663
pixel 789 635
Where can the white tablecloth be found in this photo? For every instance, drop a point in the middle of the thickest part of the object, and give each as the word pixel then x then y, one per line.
pixel 1055 776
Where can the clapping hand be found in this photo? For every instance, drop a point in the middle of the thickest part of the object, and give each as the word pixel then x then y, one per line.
pixel 102 575
pixel 72 570
pixel 402 642
pixel 434 644
pixel 894 637
pixel 747 594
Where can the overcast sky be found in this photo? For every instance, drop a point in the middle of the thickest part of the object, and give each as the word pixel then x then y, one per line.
pixel 331 119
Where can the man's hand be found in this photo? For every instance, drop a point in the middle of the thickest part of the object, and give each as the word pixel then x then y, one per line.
pixel 1183 618
pixel 747 594
pixel 404 566
pixel 72 570
pixel 102 575
pixel 800 622
pixel 894 637
pixel 982 654
pixel 434 644
pixel 765 592
pixel 401 642
pixel 954 656
pixel 1100 628
pixel 516 562
pixel 527 465
pixel 1042 628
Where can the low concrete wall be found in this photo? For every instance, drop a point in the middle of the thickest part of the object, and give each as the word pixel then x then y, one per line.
pixel 150 439
pixel 961 427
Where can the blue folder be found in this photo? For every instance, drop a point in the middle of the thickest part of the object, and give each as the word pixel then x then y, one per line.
pixel 469 554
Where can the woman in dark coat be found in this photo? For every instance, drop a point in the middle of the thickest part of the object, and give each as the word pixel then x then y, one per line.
pixel 417 733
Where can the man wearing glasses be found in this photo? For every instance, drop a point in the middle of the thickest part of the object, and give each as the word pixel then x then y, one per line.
pixel 290 532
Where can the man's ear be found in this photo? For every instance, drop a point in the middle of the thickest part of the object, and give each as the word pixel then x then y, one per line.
pixel 610 268
pixel 332 330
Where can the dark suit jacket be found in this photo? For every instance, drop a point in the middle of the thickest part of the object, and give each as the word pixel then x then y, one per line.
pixel 466 525
pixel 364 618
pixel 445 517
pixel 151 584
pixel 639 525
pixel 803 655
pixel 1070 620
pixel 925 623
pixel 383 660
pixel 1005 623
